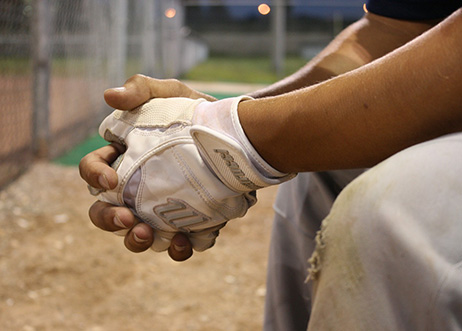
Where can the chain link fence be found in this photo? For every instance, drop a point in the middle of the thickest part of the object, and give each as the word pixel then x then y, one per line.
pixel 15 90
pixel 58 56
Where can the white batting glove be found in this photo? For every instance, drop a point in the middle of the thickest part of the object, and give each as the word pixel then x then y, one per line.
pixel 188 167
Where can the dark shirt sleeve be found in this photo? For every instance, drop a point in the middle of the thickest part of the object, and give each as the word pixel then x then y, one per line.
pixel 413 9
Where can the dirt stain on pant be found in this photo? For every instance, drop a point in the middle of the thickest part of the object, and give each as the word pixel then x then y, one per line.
pixel 336 269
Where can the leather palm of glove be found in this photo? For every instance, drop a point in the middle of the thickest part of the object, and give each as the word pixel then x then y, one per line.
pixel 188 167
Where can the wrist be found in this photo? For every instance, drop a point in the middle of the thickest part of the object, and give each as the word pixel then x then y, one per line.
pixel 222 116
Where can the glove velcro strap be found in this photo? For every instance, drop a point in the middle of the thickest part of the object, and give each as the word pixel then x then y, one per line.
pixel 228 161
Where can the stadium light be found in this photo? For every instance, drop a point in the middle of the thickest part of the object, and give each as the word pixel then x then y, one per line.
pixel 170 13
pixel 264 9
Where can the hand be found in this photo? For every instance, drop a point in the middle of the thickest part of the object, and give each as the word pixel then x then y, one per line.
pixel 188 167
pixel 95 169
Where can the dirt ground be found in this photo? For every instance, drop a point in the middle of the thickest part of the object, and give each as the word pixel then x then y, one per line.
pixel 59 272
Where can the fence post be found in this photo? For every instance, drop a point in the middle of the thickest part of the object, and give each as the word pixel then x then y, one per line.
pixel 148 41
pixel 278 23
pixel 41 54
pixel 118 54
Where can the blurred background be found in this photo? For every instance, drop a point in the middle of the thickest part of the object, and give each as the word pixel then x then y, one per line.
pixel 57 271
pixel 57 57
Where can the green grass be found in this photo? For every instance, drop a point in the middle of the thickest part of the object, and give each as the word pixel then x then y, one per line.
pixel 216 68
pixel 15 66
pixel 243 70
pixel 59 66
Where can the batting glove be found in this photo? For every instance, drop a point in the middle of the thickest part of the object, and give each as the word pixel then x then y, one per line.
pixel 188 167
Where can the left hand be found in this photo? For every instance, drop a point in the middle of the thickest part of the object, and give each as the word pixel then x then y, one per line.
pixel 95 170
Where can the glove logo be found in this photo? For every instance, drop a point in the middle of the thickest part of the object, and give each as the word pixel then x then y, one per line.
pixel 236 169
pixel 180 215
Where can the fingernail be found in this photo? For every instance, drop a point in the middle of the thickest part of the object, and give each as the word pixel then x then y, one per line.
pixel 119 89
pixel 138 239
pixel 102 180
pixel 118 222
pixel 179 248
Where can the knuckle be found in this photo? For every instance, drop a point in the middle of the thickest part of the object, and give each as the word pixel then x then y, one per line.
pixel 93 213
pixel 87 174
pixel 84 170
pixel 118 148
pixel 177 82
pixel 136 78
pixel 84 161
pixel 101 215
pixel 82 167
pixel 173 81
pixel 177 86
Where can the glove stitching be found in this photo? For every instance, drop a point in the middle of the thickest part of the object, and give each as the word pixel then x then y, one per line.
pixel 217 206
pixel 148 130
pixel 208 200
pixel 145 218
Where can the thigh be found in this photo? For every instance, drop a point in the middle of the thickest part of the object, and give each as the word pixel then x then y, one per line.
pixel 389 254
pixel 300 207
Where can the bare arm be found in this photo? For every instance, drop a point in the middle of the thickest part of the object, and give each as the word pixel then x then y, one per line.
pixel 358 119
pixel 368 39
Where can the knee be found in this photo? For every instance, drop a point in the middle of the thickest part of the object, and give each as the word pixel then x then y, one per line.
pixel 419 180
pixel 412 194
pixel 355 225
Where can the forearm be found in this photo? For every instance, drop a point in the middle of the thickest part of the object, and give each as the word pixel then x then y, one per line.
pixel 362 42
pixel 360 118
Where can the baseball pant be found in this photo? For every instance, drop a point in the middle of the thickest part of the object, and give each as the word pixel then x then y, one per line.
pixel 300 206
pixel 388 255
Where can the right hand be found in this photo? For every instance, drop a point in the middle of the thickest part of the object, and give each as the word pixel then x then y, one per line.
pixel 188 167
pixel 163 179
pixel 96 171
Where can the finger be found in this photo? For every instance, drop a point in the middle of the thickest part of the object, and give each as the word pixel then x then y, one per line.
pixel 139 89
pixel 111 218
pixel 134 92
pixel 95 170
pixel 206 238
pixel 180 248
pixel 140 238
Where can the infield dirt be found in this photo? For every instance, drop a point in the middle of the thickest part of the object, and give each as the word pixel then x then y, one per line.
pixel 59 272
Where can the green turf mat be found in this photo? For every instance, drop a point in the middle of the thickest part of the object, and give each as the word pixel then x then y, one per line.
pixel 73 157
pixel 222 95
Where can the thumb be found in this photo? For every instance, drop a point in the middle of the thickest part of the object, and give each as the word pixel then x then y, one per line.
pixel 133 93
pixel 139 88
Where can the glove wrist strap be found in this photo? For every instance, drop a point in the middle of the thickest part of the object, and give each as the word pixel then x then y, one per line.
pixel 223 116
pixel 226 149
